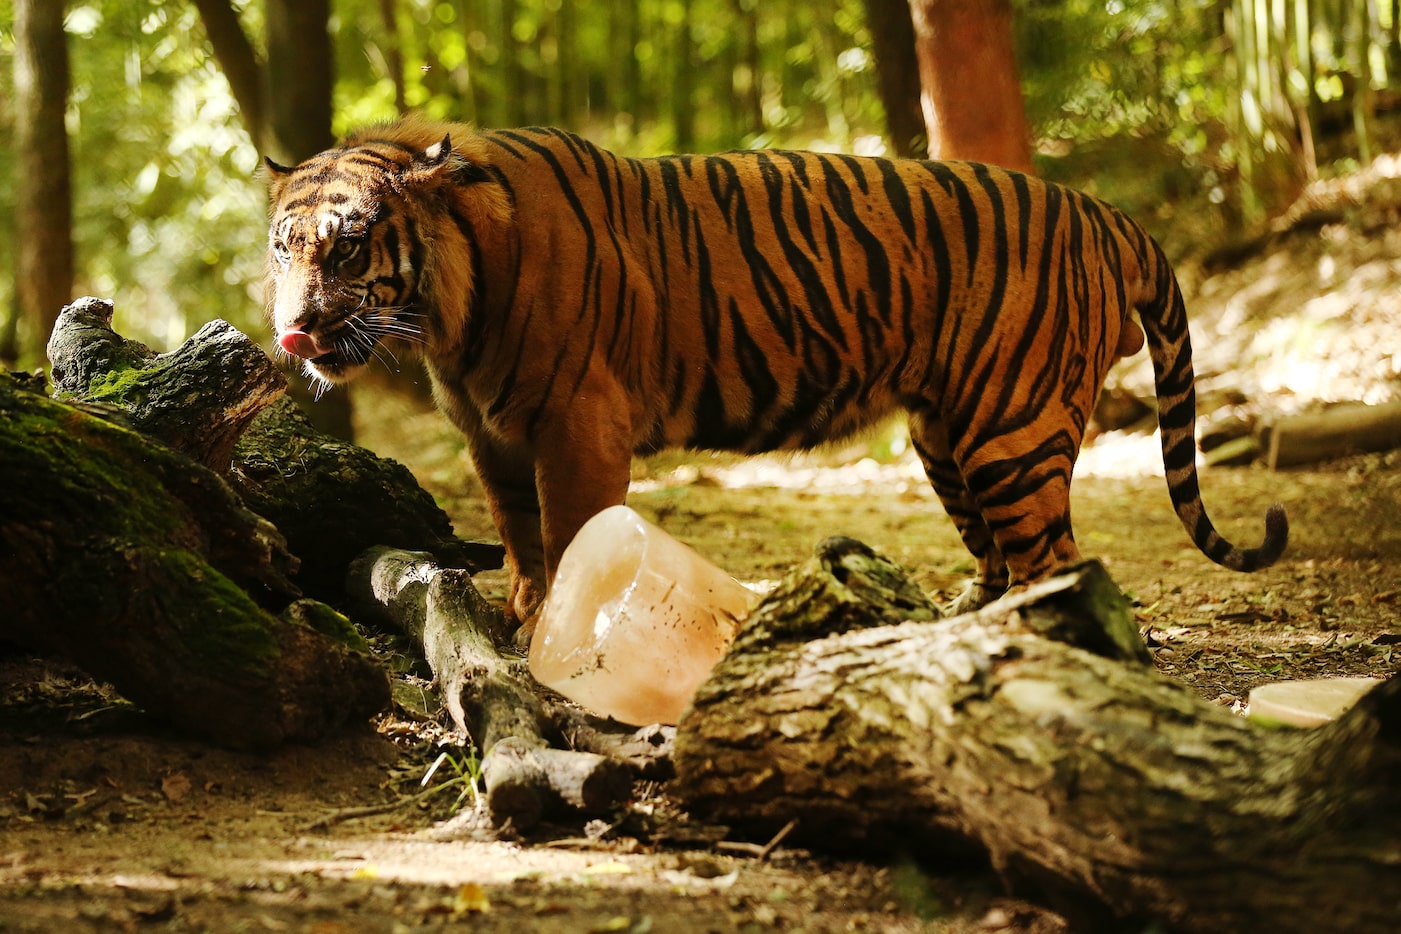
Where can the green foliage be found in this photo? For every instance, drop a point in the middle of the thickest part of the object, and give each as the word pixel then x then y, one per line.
pixel 466 768
pixel 609 68
pixel 169 210
pixel 1233 103
pixel 1143 101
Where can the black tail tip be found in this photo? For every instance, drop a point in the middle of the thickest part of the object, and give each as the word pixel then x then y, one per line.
pixel 1276 538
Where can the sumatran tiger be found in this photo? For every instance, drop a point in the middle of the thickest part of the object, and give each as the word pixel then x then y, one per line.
pixel 575 307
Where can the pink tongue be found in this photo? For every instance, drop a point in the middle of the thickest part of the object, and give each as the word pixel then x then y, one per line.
pixel 298 344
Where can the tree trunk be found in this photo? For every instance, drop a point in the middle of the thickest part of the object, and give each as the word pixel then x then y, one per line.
pixel 749 92
pixel 299 77
pixel 44 208
pixel 394 53
pixel 897 75
pixel 1092 783
pixel 515 109
pixel 683 80
pixel 972 99
pixel 285 103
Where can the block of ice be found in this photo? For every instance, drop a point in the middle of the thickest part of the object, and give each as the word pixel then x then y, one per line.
pixel 634 620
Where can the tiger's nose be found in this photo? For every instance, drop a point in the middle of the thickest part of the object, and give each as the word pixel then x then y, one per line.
pixel 299 344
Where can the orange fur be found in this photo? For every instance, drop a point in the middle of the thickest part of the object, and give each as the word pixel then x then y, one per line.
pixel 575 307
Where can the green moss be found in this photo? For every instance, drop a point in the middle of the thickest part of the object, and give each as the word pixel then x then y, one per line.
pixel 125 386
pixel 60 461
pixel 328 621
pixel 223 629
pixel 132 501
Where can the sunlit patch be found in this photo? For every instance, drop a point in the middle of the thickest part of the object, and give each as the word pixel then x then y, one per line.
pixel 1113 454
pixel 1122 454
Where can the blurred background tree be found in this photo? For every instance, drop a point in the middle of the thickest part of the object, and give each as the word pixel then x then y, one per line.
pixel 43 232
pixel 972 96
pixel 1201 117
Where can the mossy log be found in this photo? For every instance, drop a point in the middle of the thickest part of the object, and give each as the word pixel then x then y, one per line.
pixel 487 688
pixel 145 569
pixel 219 399
pixel 199 398
pixel 1091 782
pixel 333 500
pixel 151 521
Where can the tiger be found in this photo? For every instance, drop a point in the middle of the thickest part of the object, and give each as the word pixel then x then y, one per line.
pixel 574 308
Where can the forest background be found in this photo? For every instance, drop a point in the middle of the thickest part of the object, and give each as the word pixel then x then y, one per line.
pixel 1202 118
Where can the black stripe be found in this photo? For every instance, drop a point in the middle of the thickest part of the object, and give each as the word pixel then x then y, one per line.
pixel 897 193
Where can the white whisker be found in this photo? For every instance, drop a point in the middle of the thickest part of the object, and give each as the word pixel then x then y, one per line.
pixel 380 352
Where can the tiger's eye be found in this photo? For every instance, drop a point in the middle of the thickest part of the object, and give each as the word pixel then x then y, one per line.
pixel 345 248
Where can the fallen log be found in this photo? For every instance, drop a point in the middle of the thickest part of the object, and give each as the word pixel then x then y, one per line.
pixel 332 500
pixel 1335 432
pixel 1092 783
pixel 148 570
pixel 142 567
pixel 219 399
pixel 487 689
pixel 199 398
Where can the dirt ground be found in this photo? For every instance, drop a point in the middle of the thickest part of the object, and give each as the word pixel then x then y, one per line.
pixel 107 822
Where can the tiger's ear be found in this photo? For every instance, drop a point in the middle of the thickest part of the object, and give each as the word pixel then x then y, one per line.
pixel 277 177
pixel 440 162
pixel 434 156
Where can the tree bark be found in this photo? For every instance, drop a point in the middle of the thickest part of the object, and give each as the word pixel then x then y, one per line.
pixel 219 399
pixel 897 75
pixel 1092 783
pixel 972 97
pixel 333 500
pixel 44 208
pixel 231 376
pixel 488 692
pixel 142 567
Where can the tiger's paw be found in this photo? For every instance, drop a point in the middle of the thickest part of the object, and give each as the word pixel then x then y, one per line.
pixel 526 632
pixel 523 608
pixel 975 596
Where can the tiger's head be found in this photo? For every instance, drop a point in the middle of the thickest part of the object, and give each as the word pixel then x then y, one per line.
pixel 352 267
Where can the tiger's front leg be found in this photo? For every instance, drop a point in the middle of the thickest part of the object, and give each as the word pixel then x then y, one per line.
pixel 508 481
pixel 583 459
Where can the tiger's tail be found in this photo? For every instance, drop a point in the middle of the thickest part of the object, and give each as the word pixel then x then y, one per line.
pixel 1164 318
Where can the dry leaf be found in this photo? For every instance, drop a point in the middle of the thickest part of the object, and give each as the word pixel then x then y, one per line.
pixel 471 899
pixel 176 787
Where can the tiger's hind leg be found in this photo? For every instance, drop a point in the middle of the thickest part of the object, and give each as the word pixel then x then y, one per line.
pixel 1019 476
pixel 931 441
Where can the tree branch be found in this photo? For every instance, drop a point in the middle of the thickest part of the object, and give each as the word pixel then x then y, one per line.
pixel 240 64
